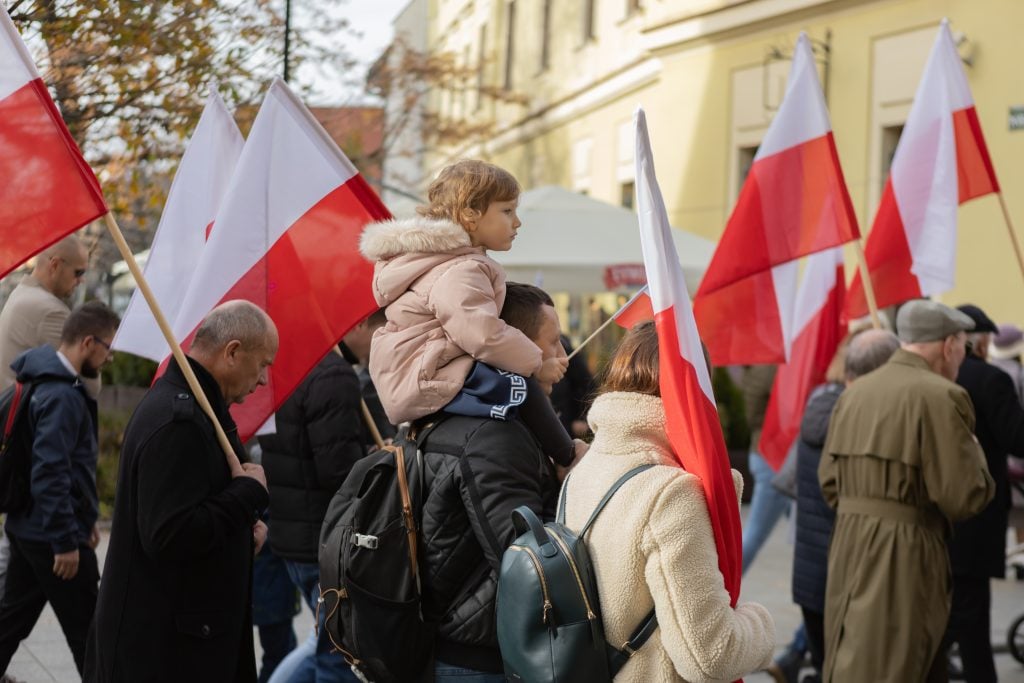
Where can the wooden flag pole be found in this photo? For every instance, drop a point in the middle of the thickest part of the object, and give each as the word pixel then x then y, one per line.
pixel 589 339
pixel 1013 233
pixel 179 355
pixel 367 415
pixel 869 288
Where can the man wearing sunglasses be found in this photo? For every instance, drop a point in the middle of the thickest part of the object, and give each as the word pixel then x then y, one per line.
pixel 36 310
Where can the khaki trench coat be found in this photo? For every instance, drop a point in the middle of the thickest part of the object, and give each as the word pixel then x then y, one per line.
pixel 899 464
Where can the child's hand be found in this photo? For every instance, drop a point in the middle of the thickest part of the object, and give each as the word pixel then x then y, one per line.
pixel 552 370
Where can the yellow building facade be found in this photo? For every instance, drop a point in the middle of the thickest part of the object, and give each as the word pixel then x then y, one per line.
pixel 710 74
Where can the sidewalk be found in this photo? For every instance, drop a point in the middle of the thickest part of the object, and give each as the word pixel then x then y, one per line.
pixel 44 657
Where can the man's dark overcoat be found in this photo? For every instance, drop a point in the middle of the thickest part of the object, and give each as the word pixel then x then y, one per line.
pixel 174 602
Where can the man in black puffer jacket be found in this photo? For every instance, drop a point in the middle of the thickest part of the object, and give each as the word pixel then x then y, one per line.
pixel 478 471
pixel 318 439
pixel 867 351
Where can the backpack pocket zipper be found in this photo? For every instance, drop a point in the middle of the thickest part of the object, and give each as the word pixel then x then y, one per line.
pixel 591 616
pixel 543 583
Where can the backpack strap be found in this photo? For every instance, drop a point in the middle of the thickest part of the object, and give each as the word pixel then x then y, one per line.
pixel 12 412
pixel 608 496
pixel 619 656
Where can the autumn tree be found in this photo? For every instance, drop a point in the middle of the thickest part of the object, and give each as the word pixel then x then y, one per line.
pixel 130 78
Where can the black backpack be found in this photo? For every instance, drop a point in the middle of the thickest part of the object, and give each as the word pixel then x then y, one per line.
pixel 15 448
pixel 549 616
pixel 369 564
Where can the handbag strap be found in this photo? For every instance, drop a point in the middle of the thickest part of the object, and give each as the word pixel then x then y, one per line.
pixel 619 656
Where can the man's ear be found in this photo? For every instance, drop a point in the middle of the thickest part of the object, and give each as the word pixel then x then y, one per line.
pixel 231 350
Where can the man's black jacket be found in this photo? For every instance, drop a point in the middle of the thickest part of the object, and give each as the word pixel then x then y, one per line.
pixel 318 439
pixel 478 471
pixel 175 598
pixel 978 545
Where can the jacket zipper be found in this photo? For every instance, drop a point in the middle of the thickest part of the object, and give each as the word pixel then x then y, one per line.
pixel 591 617
pixel 543 581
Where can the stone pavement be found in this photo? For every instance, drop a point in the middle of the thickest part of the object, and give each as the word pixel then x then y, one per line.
pixel 44 657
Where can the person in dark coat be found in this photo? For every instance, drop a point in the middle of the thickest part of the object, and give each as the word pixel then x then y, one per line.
pixel 865 352
pixel 977 548
pixel 175 599
pixel 53 557
pixel 571 394
pixel 480 470
pixel 319 438
pixel 355 347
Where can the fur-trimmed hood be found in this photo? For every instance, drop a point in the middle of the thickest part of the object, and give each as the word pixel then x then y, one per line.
pixel 388 239
pixel 405 250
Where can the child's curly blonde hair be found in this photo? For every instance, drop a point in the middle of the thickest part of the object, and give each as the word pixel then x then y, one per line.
pixel 468 186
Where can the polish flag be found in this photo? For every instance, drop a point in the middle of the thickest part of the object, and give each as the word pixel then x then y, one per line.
pixel 793 203
pixel 941 162
pixel 287 239
pixel 690 412
pixel 819 323
pixel 196 193
pixel 637 310
pixel 48 190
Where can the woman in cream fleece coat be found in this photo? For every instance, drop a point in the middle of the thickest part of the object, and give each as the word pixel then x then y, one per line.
pixel 653 544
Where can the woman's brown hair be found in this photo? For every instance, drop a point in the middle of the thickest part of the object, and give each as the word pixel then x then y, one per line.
pixel 468 185
pixel 634 365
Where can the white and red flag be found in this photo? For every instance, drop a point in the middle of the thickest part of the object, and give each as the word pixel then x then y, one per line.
pixel 199 185
pixel 690 412
pixel 637 310
pixel 793 203
pixel 940 162
pixel 48 190
pixel 286 238
pixel 819 322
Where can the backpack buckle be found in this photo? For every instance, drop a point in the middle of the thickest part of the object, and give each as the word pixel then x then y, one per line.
pixel 364 541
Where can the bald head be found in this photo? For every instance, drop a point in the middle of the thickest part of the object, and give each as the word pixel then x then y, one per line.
pixel 236 343
pixel 869 350
pixel 61 267
pixel 234 320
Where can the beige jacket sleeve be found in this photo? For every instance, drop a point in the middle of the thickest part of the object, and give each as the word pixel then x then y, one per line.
pixel 952 463
pixel 706 639
pixel 463 301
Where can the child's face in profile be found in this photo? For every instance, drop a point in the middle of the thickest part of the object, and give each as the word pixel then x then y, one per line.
pixel 496 228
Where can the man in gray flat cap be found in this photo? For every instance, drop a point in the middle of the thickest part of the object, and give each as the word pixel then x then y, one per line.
pixel 900 463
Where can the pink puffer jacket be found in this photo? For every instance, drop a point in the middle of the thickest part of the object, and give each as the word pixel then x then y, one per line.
pixel 443 297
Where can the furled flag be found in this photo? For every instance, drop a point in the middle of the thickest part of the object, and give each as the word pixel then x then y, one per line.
pixel 819 323
pixel 48 190
pixel 636 310
pixel 196 193
pixel 940 162
pixel 793 203
pixel 690 413
pixel 286 238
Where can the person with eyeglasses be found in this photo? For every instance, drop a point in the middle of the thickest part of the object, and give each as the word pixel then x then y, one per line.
pixel 53 541
pixel 34 314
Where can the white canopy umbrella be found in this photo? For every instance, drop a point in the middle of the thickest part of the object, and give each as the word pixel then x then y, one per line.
pixel 573 243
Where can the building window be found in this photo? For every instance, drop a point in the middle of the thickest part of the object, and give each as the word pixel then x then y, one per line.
pixel 581 164
pixel 627 191
pixel 510 22
pixel 545 36
pixel 588 20
pixel 746 160
pixel 890 140
pixel 481 57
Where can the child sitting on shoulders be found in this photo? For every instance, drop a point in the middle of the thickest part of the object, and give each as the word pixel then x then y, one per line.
pixel 444 346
